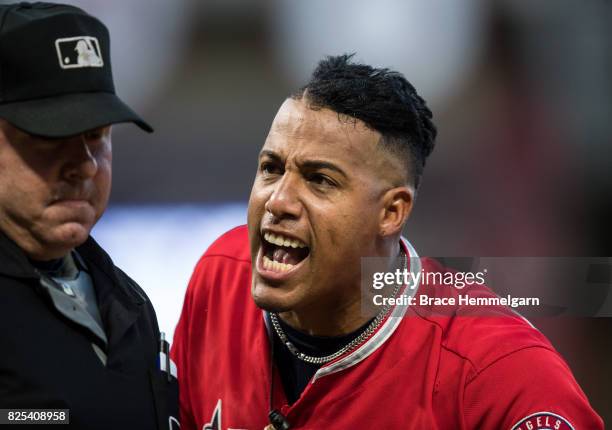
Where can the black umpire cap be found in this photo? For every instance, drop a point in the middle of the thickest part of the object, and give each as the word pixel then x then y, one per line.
pixel 55 71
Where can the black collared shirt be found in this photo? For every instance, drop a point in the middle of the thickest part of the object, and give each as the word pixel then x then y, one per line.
pixel 48 361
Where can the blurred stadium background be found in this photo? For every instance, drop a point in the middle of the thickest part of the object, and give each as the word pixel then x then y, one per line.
pixel 521 91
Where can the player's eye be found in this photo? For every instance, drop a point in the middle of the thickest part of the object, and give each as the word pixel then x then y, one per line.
pixel 270 168
pixel 320 180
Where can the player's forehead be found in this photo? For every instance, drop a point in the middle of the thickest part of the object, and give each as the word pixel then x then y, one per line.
pixel 298 129
pixel 297 118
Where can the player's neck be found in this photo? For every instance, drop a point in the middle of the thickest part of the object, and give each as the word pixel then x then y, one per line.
pixel 328 322
pixel 345 314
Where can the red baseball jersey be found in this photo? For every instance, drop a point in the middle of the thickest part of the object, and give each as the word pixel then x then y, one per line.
pixel 418 370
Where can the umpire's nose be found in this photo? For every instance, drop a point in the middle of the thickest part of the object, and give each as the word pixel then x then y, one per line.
pixel 80 163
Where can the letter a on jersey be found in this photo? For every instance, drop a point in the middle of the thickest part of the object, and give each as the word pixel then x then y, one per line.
pixel 215 420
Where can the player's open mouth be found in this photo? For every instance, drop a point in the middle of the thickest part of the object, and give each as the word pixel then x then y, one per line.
pixel 282 253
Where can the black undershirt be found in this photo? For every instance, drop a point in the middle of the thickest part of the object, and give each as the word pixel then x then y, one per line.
pixel 295 373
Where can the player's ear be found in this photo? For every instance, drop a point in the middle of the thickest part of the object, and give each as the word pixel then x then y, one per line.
pixel 397 205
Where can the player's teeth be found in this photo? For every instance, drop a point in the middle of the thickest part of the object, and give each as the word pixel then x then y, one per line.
pixel 286 266
pixel 275 265
pixel 279 240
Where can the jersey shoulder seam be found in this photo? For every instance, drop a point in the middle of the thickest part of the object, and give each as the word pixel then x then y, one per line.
pixel 503 356
pixel 463 357
pixel 240 260
pixel 442 344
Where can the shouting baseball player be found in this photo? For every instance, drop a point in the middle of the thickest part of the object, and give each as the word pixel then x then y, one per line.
pixel 273 333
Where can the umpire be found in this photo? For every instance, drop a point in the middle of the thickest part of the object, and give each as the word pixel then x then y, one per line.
pixel 76 332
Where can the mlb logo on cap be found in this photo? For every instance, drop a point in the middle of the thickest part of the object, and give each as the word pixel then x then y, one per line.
pixel 78 52
pixel 56 76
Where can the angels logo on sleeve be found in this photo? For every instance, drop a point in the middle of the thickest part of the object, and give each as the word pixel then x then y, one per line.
pixel 78 52
pixel 543 421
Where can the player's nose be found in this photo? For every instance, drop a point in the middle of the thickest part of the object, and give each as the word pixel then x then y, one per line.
pixel 284 200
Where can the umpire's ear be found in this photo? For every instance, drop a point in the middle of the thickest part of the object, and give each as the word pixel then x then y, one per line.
pixel 397 205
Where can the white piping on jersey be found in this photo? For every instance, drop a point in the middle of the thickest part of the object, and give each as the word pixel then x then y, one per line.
pixel 269 328
pixel 381 336
pixel 524 319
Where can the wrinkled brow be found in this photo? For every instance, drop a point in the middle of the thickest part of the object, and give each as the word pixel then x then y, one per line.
pixel 305 165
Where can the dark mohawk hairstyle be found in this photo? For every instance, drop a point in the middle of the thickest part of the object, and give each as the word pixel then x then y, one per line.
pixel 383 99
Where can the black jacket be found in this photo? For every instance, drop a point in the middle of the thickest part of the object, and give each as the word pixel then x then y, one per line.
pixel 47 361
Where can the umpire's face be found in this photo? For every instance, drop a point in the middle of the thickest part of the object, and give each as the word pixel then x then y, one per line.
pixel 52 191
pixel 318 204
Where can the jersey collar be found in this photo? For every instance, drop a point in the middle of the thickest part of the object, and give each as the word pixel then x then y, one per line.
pixel 384 332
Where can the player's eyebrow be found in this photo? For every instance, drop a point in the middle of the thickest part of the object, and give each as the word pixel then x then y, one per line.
pixel 320 165
pixel 305 165
pixel 271 154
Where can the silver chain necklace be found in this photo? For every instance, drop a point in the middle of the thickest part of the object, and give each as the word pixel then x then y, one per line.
pixel 349 346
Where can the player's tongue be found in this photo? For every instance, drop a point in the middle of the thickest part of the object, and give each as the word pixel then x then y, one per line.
pixel 287 255
pixel 284 250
